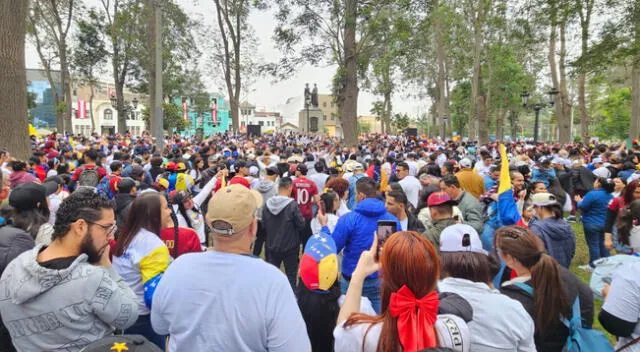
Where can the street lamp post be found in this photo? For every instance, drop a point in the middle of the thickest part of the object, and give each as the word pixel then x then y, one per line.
pixel 537 107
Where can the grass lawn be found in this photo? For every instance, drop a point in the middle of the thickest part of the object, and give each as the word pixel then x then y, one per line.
pixel 581 258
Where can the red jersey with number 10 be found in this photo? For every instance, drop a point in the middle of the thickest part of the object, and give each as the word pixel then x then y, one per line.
pixel 303 192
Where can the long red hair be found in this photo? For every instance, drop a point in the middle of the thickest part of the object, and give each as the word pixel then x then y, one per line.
pixel 407 259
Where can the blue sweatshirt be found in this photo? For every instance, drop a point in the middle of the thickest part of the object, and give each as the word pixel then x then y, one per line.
pixel 354 231
pixel 594 206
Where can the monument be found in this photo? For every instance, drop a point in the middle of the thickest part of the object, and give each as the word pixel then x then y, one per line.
pixel 310 118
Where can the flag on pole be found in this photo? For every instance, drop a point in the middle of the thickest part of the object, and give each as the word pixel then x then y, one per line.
pixel 214 111
pixel 507 208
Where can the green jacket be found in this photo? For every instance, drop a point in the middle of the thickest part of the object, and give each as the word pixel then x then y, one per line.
pixel 432 233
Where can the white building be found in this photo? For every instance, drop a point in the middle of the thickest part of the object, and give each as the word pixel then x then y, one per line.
pixel 269 122
pixel 104 115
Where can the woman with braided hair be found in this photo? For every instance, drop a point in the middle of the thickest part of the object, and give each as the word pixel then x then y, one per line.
pixel 554 287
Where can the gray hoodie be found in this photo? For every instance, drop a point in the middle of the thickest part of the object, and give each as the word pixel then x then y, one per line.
pixel 63 310
pixel 277 203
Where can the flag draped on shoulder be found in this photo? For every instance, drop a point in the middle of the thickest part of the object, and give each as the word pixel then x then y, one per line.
pixel 507 208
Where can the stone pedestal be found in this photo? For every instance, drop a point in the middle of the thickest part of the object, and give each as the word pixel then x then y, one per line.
pixel 314 123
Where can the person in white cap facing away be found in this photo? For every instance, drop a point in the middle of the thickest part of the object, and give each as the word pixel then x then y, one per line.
pixel 234 301
pixel 499 323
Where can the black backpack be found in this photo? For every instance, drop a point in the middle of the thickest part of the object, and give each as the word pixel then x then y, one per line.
pixel 89 177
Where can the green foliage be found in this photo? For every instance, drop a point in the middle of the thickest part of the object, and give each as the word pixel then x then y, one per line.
pixel 401 121
pixel 90 51
pixel 460 106
pixel 613 113
pixel 172 117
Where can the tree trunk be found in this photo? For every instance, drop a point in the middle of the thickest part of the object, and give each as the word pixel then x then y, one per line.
pixel 93 122
pixel 66 85
pixel 564 119
pixel 514 124
pixel 387 110
pixel 122 114
pixel 14 125
pixel 477 23
pixel 151 47
pixel 582 107
pixel 500 125
pixel 349 107
pixel 635 102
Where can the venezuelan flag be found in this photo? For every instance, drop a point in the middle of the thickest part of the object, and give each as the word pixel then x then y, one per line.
pixel 507 208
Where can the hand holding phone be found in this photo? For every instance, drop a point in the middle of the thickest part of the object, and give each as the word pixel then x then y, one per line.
pixel 385 229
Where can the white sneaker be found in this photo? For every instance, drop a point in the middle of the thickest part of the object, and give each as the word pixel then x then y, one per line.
pixel 586 268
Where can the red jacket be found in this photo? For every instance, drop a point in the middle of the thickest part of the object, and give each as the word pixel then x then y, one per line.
pixel 188 241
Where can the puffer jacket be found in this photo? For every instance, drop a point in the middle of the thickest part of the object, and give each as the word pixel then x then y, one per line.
pixel 558 238
pixel 354 231
pixel 282 221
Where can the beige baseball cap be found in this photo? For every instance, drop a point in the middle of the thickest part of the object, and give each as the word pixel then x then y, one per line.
pixel 232 209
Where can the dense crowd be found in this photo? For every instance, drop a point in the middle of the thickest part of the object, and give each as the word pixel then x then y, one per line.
pixel 300 243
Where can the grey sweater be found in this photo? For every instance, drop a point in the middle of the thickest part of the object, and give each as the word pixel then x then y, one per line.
pixel 63 310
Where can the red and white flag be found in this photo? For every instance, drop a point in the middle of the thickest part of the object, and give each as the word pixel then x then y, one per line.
pixel 214 110
pixel 81 109
pixel 185 110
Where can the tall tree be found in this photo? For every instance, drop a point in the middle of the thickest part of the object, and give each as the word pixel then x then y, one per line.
pixel 89 53
pixel 476 11
pixel 234 28
pixel 560 11
pixel 585 10
pixel 13 78
pixel 49 24
pixel 334 32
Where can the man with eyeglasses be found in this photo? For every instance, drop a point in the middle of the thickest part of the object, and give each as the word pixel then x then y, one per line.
pixel 64 296
pixel 226 299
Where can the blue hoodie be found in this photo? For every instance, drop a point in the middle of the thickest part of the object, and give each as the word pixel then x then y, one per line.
pixel 354 231
pixel 594 207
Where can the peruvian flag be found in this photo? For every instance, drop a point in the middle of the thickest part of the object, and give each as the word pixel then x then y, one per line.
pixel 214 110
pixel 81 109
pixel 185 110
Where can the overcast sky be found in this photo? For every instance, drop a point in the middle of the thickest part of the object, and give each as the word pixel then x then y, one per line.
pixel 266 95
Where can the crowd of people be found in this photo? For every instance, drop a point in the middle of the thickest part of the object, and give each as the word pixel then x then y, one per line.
pixel 273 243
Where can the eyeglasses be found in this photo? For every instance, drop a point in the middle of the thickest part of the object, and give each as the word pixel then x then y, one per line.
pixel 111 229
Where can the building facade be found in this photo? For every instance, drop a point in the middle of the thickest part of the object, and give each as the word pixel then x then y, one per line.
pixel 204 117
pixel 294 112
pixel 103 114
pixel 268 121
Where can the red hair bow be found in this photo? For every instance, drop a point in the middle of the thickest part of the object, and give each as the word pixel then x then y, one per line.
pixel 415 318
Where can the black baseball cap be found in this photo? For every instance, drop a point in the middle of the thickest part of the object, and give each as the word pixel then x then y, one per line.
pixel 302 168
pixel 52 183
pixel 272 171
pixel 26 196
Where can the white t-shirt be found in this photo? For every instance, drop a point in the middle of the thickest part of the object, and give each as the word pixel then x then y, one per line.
pixel 623 301
pixel 404 223
pixel 451 332
pixel 216 301
pixel 332 220
pixel 411 187
pixel 413 167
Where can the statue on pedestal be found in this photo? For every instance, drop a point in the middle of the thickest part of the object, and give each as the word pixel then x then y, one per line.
pixel 314 96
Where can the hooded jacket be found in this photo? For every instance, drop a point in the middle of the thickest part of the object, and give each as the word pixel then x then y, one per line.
pixel 13 242
pixel 18 177
pixel 63 310
pixel 432 233
pixel 282 221
pixel 558 238
pixel 354 231
pixel 123 204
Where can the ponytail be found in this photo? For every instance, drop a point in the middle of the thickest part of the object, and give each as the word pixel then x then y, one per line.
pixel 550 300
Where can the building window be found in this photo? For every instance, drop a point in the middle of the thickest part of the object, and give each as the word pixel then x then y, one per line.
pixel 261 123
pixel 324 105
pixel 314 124
pixel 107 115
pixel 324 117
pixel 333 104
pixel 333 117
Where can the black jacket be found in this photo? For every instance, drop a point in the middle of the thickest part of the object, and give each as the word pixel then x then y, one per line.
pixel 13 242
pixel 556 337
pixel 413 224
pixel 582 179
pixel 123 204
pixel 283 222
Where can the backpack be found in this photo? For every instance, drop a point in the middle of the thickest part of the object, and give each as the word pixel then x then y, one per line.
pixel 104 189
pixel 580 339
pixel 89 177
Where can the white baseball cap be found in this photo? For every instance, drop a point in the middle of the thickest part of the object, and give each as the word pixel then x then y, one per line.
pixel 465 163
pixel 461 238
